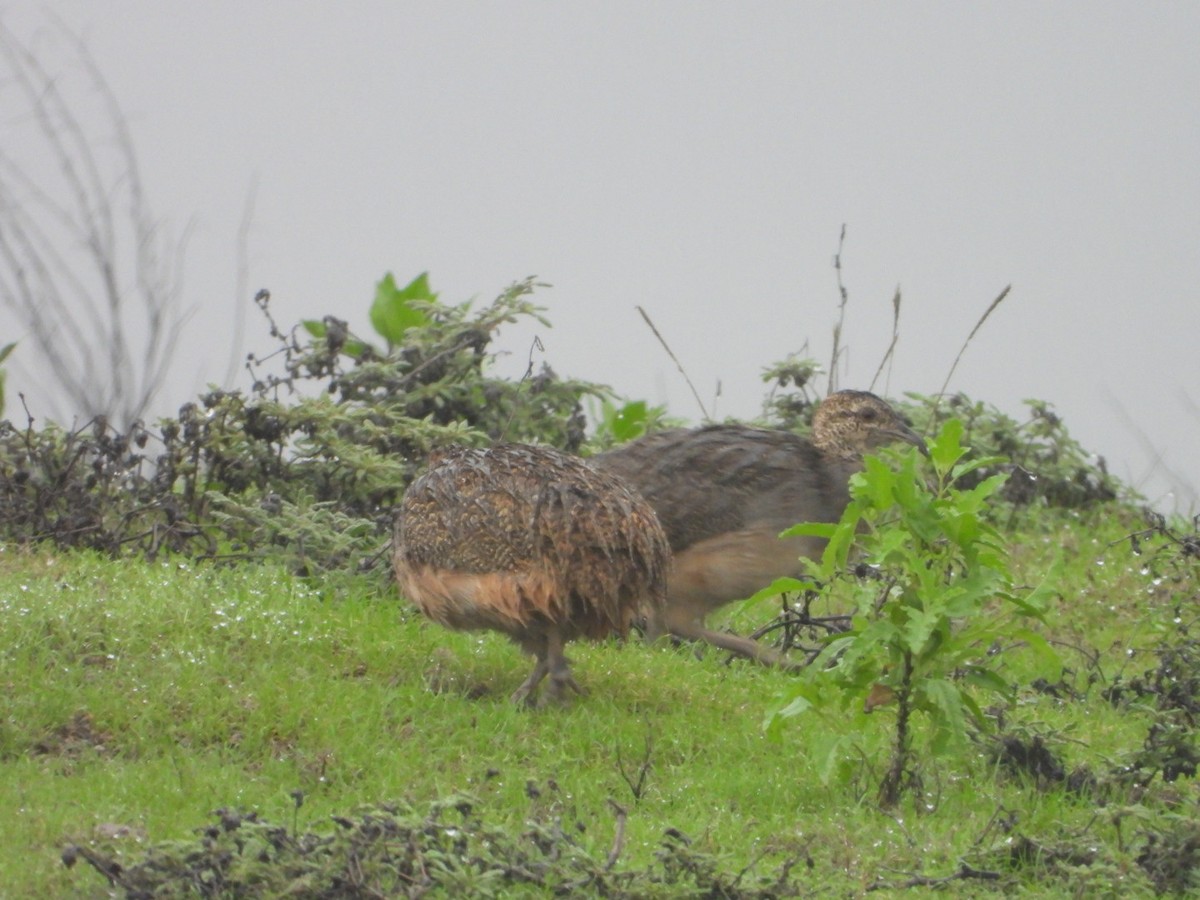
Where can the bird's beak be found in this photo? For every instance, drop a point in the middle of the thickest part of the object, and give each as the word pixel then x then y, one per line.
pixel 908 436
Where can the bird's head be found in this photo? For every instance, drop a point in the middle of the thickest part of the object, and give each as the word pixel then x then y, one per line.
pixel 849 424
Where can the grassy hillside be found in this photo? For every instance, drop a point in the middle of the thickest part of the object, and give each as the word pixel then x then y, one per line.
pixel 139 698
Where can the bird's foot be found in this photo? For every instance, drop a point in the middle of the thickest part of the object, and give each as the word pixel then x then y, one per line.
pixel 524 694
pixel 561 681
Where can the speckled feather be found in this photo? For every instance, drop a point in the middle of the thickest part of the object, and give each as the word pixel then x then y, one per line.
pixel 521 538
pixel 721 478
pixel 724 492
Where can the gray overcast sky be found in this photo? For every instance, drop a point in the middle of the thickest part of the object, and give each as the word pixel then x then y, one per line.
pixel 699 159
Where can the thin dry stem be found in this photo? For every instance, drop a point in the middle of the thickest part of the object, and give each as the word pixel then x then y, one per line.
pixel 891 350
pixel 678 364
pixel 618 836
pixel 963 349
pixel 844 296
pixel 535 345
pixel 81 306
pixel 241 283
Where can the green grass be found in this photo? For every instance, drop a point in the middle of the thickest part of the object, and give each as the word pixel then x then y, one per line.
pixel 142 697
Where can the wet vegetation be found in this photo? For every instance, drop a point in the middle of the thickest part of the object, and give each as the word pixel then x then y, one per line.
pixel 212 689
pixel 307 465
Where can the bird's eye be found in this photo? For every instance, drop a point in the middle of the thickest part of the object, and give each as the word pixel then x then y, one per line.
pixel 869 415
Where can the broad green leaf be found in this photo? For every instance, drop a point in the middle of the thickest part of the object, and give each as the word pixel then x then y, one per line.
pixel 907 488
pixel 394 312
pixel 797 704
pixel 796 707
pixel 891 546
pixel 972 464
pixel 7 350
pixel 781 586
pixel 974 711
pixel 865 656
pixel 1038 601
pixel 975 498
pixel 810 529
pixel 1048 661
pixel 945 702
pixel 987 679
pixel 922 518
pixel 834 763
pixel 963 528
pixel 354 349
pixel 314 327
pixel 629 421
pixel 946 448
pixel 837 551
pixel 876 483
pixel 917 630
pixel 834 646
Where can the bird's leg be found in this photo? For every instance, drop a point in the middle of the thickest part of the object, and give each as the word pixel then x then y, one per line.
pixel 541 667
pixel 654 627
pixel 560 668
pixel 693 630
pixel 746 647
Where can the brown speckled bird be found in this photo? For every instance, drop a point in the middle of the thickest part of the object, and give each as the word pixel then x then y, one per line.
pixel 724 492
pixel 531 542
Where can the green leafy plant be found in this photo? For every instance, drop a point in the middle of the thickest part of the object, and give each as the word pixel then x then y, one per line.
pixel 1048 467
pixel 398 850
pixel 792 397
pixel 616 424
pixel 393 313
pixel 932 598
pixel 396 310
pixel 305 467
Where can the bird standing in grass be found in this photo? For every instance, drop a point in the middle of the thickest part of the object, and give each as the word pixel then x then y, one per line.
pixel 724 493
pixel 531 542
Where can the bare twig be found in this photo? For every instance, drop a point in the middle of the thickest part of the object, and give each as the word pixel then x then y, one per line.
pixel 1157 462
pixel 796 620
pixel 109 868
pixel 536 345
pixel 638 785
pixel 964 873
pixel 104 313
pixel 843 296
pixel 678 365
pixel 891 350
pixel 241 283
pixel 618 837
pixel 963 349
